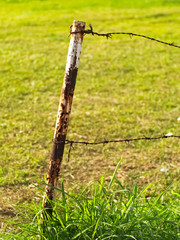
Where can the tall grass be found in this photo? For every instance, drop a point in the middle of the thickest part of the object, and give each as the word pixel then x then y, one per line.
pixel 106 211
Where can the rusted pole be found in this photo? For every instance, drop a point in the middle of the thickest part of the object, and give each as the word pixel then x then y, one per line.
pixel 63 113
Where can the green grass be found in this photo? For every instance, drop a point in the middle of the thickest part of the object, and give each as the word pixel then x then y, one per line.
pixel 105 211
pixel 80 4
pixel 125 88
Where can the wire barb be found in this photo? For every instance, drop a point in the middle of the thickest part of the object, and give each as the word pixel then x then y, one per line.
pixel 109 35
pixel 69 152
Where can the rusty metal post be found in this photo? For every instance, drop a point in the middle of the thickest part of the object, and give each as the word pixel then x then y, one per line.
pixel 63 113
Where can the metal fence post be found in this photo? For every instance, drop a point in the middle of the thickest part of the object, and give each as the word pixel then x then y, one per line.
pixel 63 113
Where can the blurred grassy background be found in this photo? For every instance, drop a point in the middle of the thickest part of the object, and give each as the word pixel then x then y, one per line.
pixel 125 88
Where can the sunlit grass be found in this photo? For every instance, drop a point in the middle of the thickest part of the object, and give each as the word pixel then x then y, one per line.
pixel 125 88
pixel 105 211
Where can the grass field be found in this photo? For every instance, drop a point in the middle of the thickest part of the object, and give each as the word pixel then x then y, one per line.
pixel 125 88
pixel 102 211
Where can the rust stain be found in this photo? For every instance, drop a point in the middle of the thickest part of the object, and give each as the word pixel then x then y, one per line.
pixel 62 120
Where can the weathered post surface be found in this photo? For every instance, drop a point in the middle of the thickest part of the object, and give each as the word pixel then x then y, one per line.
pixel 63 113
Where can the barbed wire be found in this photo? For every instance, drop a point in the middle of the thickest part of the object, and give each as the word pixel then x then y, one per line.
pixel 109 35
pixel 71 142
pixel 125 140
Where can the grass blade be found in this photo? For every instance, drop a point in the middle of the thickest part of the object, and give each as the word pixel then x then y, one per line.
pixel 114 174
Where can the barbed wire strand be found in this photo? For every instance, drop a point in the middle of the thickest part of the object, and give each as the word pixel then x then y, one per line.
pixel 126 140
pixel 109 35
pixel 120 140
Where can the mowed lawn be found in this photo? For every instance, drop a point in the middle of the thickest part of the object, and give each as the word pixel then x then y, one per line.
pixel 126 88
